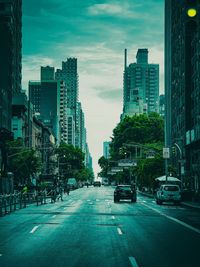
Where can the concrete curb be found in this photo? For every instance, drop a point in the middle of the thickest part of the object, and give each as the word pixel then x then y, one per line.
pixel 188 205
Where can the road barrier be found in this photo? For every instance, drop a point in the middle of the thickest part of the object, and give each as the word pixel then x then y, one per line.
pixel 12 202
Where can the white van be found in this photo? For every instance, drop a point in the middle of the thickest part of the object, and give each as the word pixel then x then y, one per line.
pixel 168 193
pixel 72 183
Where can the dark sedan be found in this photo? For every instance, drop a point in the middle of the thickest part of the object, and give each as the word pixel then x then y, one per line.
pixel 125 192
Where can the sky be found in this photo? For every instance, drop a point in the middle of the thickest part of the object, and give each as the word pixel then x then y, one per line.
pixel 96 32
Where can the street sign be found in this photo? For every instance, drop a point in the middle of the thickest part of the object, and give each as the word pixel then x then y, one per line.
pixel 111 173
pixel 166 154
pixel 127 163
pixel 116 169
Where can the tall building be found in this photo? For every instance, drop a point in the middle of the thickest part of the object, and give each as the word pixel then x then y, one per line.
pixel 70 128
pixel 10 55
pixel 47 73
pixel 141 85
pixel 106 147
pixel 46 100
pixel 69 75
pixel 182 86
pixel 162 105
pixel 35 95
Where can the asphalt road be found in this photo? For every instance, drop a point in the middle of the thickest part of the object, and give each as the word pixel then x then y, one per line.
pixel 88 229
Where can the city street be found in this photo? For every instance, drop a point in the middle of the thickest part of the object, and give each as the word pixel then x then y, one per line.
pixel 89 229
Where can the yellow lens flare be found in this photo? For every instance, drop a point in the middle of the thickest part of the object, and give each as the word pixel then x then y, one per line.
pixel 192 12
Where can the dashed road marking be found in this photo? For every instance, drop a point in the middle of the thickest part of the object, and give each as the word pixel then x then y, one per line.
pixel 113 217
pixel 175 220
pixel 133 262
pixel 53 216
pixel 119 231
pixel 144 201
pixel 1 255
pixel 34 229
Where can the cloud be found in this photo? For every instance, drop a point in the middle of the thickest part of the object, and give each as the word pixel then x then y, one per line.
pixel 111 95
pixel 107 9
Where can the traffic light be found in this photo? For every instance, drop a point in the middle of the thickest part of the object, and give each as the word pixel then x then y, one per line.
pixel 174 150
pixel 191 12
pixel 191 8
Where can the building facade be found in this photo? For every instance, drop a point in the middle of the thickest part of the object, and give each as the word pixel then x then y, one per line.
pixel 69 74
pixel 47 73
pixel 46 100
pixel 106 148
pixel 182 87
pixel 10 54
pixel 141 85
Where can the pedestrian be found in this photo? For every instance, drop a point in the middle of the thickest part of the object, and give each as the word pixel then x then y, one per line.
pixel 53 195
pixel 60 193
pixel 25 189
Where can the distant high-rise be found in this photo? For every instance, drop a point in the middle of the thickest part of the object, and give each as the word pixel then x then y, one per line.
pixel 10 57
pixel 46 99
pixel 47 73
pixel 182 86
pixel 162 105
pixel 106 148
pixel 69 74
pixel 141 85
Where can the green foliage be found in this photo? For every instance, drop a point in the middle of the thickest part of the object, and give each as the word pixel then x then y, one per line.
pixel 104 164
pixel 71 163
pixel 148 169
pixel 142 129
pixel 147 133
pixel 23 162
pixel 84 174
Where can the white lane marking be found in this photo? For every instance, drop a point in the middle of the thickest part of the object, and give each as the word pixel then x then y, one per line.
pixel 53 216
pixel 133 262
pixel 175 220
pixel 1 255
pixel 144 201
pixel 97 200
pixel 119 231
pixel 113 217
pixel 34 229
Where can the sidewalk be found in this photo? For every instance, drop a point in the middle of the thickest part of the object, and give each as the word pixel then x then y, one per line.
pixel 189 204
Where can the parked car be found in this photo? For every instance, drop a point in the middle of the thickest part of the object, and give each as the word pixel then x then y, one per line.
pixel 97 183
pixel 125 192
pixel 168 193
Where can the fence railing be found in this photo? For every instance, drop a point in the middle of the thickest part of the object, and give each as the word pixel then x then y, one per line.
pixel 12 202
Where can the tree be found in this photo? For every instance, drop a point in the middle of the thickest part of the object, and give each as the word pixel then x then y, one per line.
pixel 22 161
pixel 71 163
pixel 146 132
pixel 104 164
pixel 141 129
